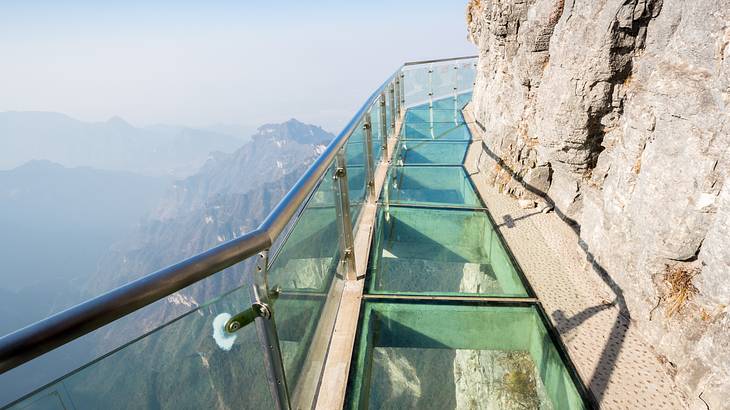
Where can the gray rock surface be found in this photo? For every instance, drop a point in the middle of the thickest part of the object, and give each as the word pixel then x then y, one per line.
pixel 616 112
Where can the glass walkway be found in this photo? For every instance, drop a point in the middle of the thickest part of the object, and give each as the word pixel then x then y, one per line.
pixel 446 318
pixel 420 347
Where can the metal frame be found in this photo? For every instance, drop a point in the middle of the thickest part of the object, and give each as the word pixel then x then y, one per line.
pixel 43 336
pixel 440 60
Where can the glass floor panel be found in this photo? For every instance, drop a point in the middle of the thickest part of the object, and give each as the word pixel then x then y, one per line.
pixel 437 131
pixel 430 185
pixel 433 115
pixel 431 152
pixel 440 252
pixel 417 355
pixel 448 103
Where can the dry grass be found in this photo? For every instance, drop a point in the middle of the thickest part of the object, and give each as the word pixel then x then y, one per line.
pixel 471 8
pixel 637 166
pixel 681 290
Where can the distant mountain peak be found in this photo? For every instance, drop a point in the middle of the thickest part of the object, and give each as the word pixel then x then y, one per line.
pixel 39 164
pixel 117 121
pixel 293 130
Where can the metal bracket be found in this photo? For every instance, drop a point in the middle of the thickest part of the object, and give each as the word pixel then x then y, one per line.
pixel 257 309
pixel 247 317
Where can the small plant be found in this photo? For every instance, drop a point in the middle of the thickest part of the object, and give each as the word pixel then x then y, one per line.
pixel 471 8
pixel 681 289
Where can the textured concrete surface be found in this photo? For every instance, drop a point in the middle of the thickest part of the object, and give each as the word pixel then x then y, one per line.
pixel 615 111
pixel 612 358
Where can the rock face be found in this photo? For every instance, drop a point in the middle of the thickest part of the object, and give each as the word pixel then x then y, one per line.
pixel 616 113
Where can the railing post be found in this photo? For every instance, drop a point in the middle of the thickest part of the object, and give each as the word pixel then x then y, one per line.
pixel 430 86
pixel 383 126
pixel 344 223
pixel 402 91
pixel 391 92
pixel 369 163
pixel 266 330
pixel 456 88
pixel 397 96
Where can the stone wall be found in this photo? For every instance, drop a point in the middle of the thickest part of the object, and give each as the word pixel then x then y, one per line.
pixel 615 112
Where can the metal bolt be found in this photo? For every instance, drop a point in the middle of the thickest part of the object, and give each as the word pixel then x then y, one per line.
pixel 233 326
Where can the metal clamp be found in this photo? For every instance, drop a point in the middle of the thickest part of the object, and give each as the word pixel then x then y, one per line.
pixel 257 309
pixel 247 317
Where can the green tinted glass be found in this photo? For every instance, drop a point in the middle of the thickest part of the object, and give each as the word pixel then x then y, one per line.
pixel 454 356
pixel 436 131
pixel 430 152
pixel 437 251
pixel 426 114
pixel 430 185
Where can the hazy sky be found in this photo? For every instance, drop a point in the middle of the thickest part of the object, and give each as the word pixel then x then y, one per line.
pixel 206 62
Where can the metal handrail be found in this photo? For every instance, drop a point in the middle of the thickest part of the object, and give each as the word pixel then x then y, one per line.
pixel 41 337
pixel 441 60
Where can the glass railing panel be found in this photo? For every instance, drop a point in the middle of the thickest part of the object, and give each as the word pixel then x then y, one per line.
pixel 443 82
pixel 449 103
pixel 416 84
pixel 454 355
pixel 435 131
pixel 376 133
pixel 466 75
pixel 355 160
pixel 422 114
pixel 388 114
pixel 188 363
pixel 439 251
pixel 357 184
pixel 463 99
pixel 430 185
pixel 431 152
pixel 304 272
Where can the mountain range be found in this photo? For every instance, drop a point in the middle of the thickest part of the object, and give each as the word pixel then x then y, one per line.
pixel 159 150
pixel 229 194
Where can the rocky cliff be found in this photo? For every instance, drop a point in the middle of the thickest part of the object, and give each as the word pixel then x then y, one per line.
pixel 615 112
